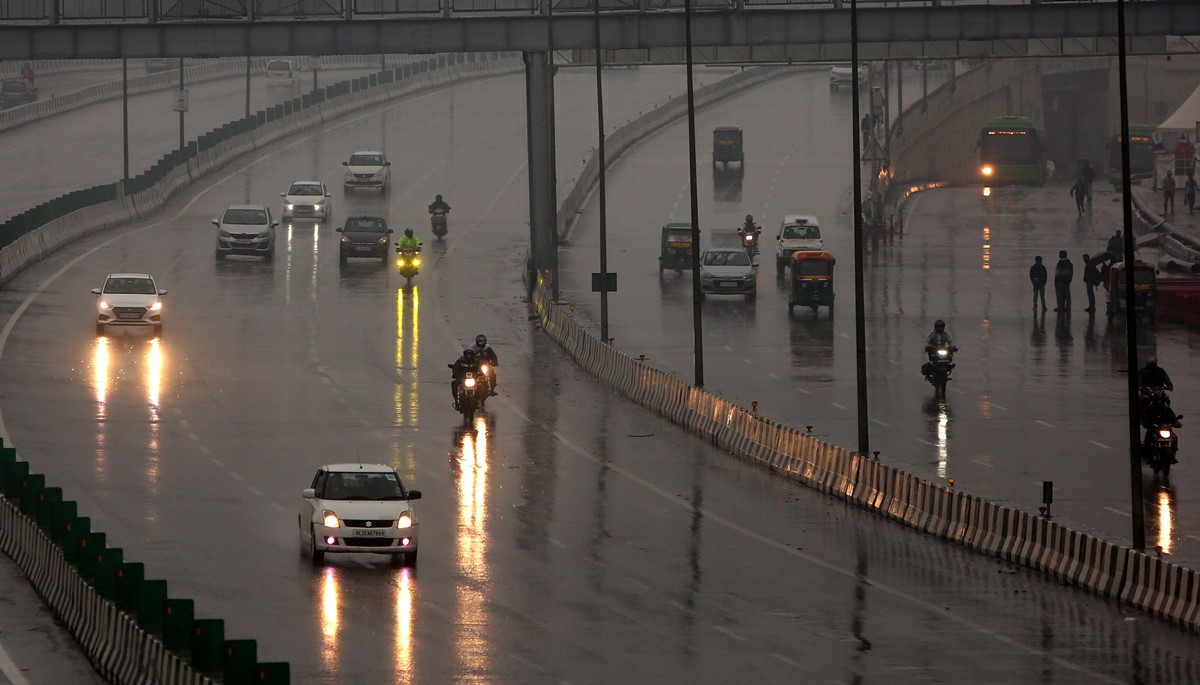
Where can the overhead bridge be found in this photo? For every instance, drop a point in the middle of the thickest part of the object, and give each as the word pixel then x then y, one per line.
pixel 638 33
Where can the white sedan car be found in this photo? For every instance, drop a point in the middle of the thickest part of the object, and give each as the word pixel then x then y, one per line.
pixel 307 200
pixel 129 300
pixel 358 508
pixel 367 169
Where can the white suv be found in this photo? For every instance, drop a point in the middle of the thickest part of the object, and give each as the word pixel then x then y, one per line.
pixel 129 300
pixel 796 232
pixel 280 72
pixel 367 169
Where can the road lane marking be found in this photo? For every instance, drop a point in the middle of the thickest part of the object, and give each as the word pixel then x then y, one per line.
pixel 730 633
pixel 924 442
pixel 10 670
pixel 839 406
pixel 805 391
pixel 785 660
pixel 1118 511
pixel 193 437
pixel 748 361
pixel 255 491
pixel 771 375
pixel 219 463
pixel 277 507
pixel 204 450
pixel 961 392
pixel 983 463
pixel 184 423
pixel 996 406
pixel 882 423
pixel 1100 445
pixel 556 543
pixel 235 476
pixel 1047 425
pixel 728 348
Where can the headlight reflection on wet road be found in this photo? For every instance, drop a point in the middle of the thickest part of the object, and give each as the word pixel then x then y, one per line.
pixel 329 620
pixel 404 627
pixel 474 649
pixel 1164 520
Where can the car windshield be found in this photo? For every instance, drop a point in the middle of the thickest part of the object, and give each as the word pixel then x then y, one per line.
pixel 368 224
pixel 359 485
pixel 366 160
pixel 305 189
pixel 129 286
pixel 13 87
pixel 735 258
pixel 245 216
pixel 801 232
pixel 279 65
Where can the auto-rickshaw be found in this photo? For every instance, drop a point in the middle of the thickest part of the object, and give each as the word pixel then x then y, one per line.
pixel 676 247
pixel 727 146
pixel 1145 277
pixel 812 280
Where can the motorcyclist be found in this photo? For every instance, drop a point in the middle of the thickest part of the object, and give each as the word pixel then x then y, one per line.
pixel 1156 410
pixel 485 354
pixel 936 339
pixel 467 363
pixel 750 227
pixel 408 242
pixel 1153 376
pixel 439 205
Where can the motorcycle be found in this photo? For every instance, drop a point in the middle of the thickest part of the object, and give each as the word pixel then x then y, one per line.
pixel 409 263
pixel 470 396
pixel 438 223
pixel 1160 421
pixel 749 240
pixel 937 369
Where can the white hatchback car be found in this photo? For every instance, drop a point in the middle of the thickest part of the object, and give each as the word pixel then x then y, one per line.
pixel 358 508
pixel 796 232
pixel 129 300
pixel 307 200
pixel 367 169
pixel 281 73
pixel 727 270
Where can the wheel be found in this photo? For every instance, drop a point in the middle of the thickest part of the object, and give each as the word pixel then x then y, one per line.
pixel 269 257
pixel 791 307
pixel 345 188
pixel 158 331
pixel 410 559
pixel 660 267
pixel 99 329
pixel 220 255
pixel 779 268
pixel 342 259
pixel 815 307
pixel 317 556
pixel 751 296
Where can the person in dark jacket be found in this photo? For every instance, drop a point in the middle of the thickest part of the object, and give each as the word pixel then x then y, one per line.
pixel 1064 273
pixel 1116 248
pixel 1038 277
pixel 1088 175
pixel 1091 279
pixel 1080 193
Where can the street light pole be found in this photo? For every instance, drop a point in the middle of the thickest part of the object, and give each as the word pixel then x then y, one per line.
pixel 860 335
pixel 697 324
pixel 603 197
pixel 125 114
pixel 181 138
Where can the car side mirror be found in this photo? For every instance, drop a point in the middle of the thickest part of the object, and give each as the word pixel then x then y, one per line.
pixel 283 195
pixel 274 224
pixel 162 292
pixel 328 194
pixel 339 230
pixel 308 493
pixel 95 291
pixel 390 231
pixel 216 223
pixel 345 163
pixel 414 494
pixel 779 236
pixel 387 163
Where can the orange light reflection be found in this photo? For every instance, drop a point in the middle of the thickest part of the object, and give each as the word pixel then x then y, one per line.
pixel 404 627
pixel 472 547
pixel 329 620
pixel 1164 521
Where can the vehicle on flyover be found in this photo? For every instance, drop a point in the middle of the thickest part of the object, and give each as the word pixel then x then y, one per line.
pixel 797 233
pixel 367 169
pixel 246 230
pixel 1145 289
pixel 364 236
pixel 1011 150
pixel 1141 155
pixel 358 508
pixel 17 91
pixel 727 271
pixel 129 300
pixel 842 74
pixel 727 146
pixel 812 280
pixel 307 200
pixel 676 247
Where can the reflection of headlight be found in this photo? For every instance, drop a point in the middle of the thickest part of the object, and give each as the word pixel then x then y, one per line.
pixel 1164 433
pixel 156 306
pixel 469 382
pixel 405 520
pixel 986 170
pixel 943 353
pixel 105 305
pixel 330 519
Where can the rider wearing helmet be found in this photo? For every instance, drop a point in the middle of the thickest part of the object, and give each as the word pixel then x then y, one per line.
pixel 749 226
pixel 484 353
pixel 439 205
pixel 1153 376
pixel 461 366
pixel 408 242
pixel 939 338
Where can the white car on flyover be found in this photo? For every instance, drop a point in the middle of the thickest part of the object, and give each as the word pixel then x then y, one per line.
pixel 796 232
pixel 129 300
pixel 358 509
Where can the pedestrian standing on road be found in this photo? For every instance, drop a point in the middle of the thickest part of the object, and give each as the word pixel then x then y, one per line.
pixel 1189 191
pixel 1091 279
pixel 1064 272
pixel 867 125
pixel 1116 248
pixel 1088 174
pixel 1038 277
pixel 1079 192
pixel 1168 188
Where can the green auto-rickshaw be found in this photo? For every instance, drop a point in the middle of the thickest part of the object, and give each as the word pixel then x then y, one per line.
pixel 812 280
pixel 727 146
pixel 676 247
pixel 1145 278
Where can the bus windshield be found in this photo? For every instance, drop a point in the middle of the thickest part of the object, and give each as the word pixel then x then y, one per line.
pixel 1006 147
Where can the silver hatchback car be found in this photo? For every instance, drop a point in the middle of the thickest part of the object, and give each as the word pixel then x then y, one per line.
pixel 727 271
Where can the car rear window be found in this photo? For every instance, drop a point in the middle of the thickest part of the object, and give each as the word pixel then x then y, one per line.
pixel 13 87
pixel 358 485
pixel 801 232
pixel 366 160
pixel 129 286
pixel 245 216
pixel 366 225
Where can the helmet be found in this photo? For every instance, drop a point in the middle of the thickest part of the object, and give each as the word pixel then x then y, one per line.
pixel 438 198
pixel 749 218
pixel 469 354
pixel 939 325
pixel 408 233
pixel 481 340
pixel 1151 361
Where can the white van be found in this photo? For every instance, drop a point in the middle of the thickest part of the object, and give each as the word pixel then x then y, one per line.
pixel 796 232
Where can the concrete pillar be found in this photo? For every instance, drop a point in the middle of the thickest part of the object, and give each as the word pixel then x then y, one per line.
pixel 543 200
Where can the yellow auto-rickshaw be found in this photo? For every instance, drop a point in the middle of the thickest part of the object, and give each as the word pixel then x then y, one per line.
pixel 812 280
pixel 1145 288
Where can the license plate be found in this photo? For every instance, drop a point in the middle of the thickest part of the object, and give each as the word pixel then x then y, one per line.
pixel 369 533
pixel 129 315
pixel 727 285
pixel 363 249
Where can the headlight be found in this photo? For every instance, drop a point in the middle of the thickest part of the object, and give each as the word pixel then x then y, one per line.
pixel 1164 433
pixel 330 519
pixel 749 237
pixel 382 239
pixel 104 305
pixel 399 262
pixel 291 207
pixel 469 382
pixel 265 234
pixel 156 306
pixel 943 352
pixel 345 239
pixel 986 170
pixel 405 520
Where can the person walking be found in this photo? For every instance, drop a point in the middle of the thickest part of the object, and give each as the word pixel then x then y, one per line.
pixel 868 128
pixel 1088 174
pixel 1064 272
pixel 1091 279
pixel 1189 191
pixel 1116 248
pixel 1079 192
pixel 1038 277
pixel 1168 189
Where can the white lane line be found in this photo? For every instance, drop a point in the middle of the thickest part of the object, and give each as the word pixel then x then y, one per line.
pixel 748 361
pixel 844 335
pixel 1100 445
pixel 255 491
pixel 984 463
pixel 996 406
pixel 326 381
pixel 771 375
pixel 437 610
pixel 839 406
pixel 184 423
pixel 1191 537
pixel 526 662
pixel 957 390
pixel 924 442
pixel 892 362
pixel 1047 425
pixel 728 348
pixel 556 543
pixel 10 670
pixel 675 603
pixel 725 631
pixel 1119 512
pixel 177 411
pixel 193 437
pixel 219 463
pixel 882 423
pixel 204 450
pixel 636 583
pixel 785 660
pixel 235 476
pixel 276 506
pixel 806 392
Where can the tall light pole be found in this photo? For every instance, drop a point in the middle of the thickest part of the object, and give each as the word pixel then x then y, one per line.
pixel 697 324
pixel 603 197
pixel 860 334
pixel 125 115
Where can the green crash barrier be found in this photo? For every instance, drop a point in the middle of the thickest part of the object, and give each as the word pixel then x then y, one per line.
pixel 273 673
pixel 64 513
pixel 89 546
pixel 47 505
pixel 238 659
pixel 148 605
pixel 177 618
pixel 106 562
pixel 127 583
pixel 208 640
pixel 72 532
pixel 31 486
pixel 12 474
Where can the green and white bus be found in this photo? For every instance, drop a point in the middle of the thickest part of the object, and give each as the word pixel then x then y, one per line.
pixel 1011 151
